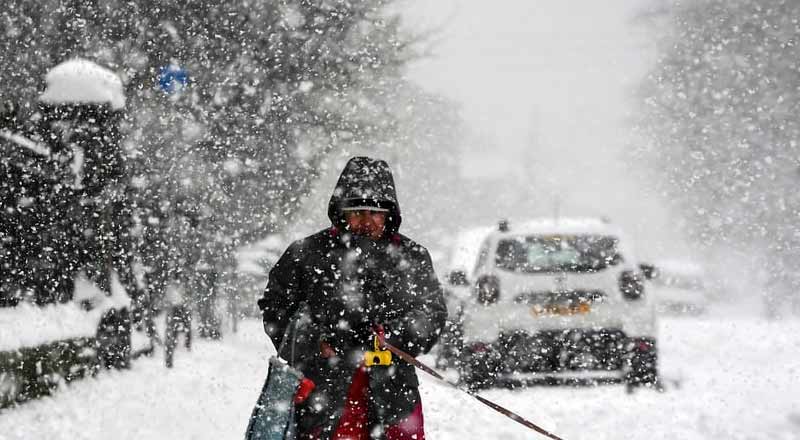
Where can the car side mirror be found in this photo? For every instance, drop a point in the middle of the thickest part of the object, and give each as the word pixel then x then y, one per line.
pixel 458 278
pixel 650 272
pixel 617 259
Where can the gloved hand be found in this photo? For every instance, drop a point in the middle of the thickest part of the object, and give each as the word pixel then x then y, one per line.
pixel 304 390
pixel 379 332
pixel 326 350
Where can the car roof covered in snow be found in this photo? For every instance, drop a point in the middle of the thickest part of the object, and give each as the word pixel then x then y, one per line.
pixel 467 242
pixel 565 226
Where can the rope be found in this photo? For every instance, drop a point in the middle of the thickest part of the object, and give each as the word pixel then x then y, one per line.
pixel 504 411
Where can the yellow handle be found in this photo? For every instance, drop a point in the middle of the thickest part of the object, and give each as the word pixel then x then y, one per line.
pixel 378 356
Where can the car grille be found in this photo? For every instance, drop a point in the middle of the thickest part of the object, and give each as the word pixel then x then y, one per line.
pixel 562 350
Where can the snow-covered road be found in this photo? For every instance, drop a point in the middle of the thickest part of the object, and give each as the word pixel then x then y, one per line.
pixel 739 379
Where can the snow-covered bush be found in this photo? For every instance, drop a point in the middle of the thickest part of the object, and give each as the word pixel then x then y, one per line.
pixel 43 346
pixel 30 372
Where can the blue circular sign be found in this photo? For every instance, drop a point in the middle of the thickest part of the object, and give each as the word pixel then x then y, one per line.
pixel 172 78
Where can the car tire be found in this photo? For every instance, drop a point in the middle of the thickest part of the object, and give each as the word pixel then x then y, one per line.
pixel 642 364
pixel 479 370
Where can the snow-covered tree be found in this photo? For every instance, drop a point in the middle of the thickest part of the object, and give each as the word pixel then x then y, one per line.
pixel 64 199
pixel 233 108
pixel 720 123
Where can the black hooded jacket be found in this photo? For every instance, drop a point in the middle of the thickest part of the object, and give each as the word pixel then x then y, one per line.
pixel 334 287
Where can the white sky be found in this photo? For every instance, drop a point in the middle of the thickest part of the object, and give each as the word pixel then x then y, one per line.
pixel 546 87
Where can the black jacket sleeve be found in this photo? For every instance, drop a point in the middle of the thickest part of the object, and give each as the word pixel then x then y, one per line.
pixel 283 294
pixel 418 330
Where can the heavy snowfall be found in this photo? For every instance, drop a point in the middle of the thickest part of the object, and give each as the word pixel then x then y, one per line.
pixel 606 192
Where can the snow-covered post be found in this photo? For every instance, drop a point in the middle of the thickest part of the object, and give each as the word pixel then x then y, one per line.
pixel 83 105
pixel 81 109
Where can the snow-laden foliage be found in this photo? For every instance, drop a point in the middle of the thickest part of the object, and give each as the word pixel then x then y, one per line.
pixel 63 200
pixel 720 123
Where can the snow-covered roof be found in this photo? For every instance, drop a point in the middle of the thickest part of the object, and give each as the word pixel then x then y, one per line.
pixel 82 81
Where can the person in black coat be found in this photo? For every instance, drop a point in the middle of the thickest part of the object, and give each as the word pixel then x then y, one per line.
pixel 336 288
pixel 178 320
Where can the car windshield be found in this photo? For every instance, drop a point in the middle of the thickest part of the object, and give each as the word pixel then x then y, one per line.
pixel 556 253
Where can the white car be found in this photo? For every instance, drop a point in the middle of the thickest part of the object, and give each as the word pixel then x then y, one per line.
pixel 679 288
pixel 553 301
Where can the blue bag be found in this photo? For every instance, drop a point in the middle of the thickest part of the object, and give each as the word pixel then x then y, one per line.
pixel 273 416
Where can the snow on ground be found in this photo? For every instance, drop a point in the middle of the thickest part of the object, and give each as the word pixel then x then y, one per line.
pixel 208 395
pixel 739 379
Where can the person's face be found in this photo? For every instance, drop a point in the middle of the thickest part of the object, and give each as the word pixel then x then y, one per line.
pixel 367 223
